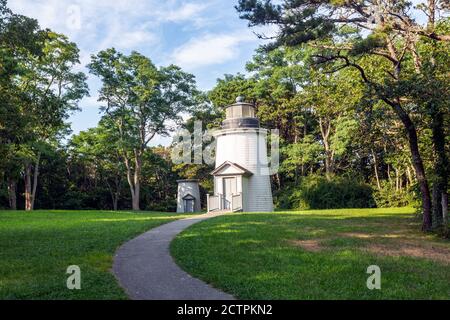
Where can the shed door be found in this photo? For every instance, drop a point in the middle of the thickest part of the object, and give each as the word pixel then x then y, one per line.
pixel 189 206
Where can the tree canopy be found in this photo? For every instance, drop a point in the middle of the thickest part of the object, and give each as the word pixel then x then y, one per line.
pixel 359 91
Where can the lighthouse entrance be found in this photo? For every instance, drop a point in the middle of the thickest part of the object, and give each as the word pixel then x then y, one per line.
pixel 230 181
pixel 229 189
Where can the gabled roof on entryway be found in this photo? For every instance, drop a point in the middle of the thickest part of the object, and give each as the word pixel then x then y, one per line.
pixel 189 197
pixel 231 169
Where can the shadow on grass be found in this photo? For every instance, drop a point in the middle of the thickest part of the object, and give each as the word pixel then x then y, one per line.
pixel 37 248
pixel 252 256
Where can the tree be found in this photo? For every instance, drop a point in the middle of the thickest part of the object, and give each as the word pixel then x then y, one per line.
pixel 141 100
pixel 334 29
pixel 97 149
pixel 304 154
pixel 20 38
pixel 428 86
pixel 160 176
pixel 281 76
pixel 53 89
pixel 331 97
pixel 229 88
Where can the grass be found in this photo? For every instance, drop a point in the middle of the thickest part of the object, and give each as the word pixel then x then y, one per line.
pixel 317 255
pixel 37 248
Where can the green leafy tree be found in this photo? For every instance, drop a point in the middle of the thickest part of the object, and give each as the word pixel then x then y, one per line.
pixel 20 38
pixel 332 97
pixel 160 179
pixel 428 86
pixel 38 91
pixel 334 29
pixel 54 90
pixel 141 101
pixel 229 88
pixel 97 149
pixel 301 156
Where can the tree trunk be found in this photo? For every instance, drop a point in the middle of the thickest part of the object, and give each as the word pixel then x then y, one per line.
pixel 325 129
pixel 31 187
pixel 115 193
pixel 328 163
pixel 12 193
pixel 436 206
pixel 117 182
pixel 417 163
pixel 35 180
pixel 137 180
pixel 445 213
pixel 440 184
pixel 410 176
pixel 375 164
pixel 397 180
pixel 137 191
pixel 116 202
pixel 134 184
pixel 28 187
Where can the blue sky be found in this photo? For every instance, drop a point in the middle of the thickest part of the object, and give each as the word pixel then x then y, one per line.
pixel 206 38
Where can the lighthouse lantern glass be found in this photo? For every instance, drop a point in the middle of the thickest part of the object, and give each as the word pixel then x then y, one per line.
pixel 240 111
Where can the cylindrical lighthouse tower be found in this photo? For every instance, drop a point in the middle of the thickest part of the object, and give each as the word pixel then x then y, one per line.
pixel 242 176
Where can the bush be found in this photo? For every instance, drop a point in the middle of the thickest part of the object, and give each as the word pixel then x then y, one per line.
pixel 4 201
pixel 388 197
pixel 162 206
pixel 317 192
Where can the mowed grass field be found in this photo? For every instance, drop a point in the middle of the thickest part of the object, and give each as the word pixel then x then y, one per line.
pixel 317 255
pixel 37 248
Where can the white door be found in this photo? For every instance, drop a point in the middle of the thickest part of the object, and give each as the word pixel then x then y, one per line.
pixel 229 188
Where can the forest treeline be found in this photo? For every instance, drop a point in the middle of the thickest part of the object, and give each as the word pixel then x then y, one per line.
pixel 359 93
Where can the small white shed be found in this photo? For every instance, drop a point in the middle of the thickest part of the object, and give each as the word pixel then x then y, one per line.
pixel 189 200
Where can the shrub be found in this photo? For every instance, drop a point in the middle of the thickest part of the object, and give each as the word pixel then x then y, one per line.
pixel 317 192
pixel 4 202
pixel 169 205
pixel 389 196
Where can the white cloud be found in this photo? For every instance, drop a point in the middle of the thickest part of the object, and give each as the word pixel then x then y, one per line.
pixel 134 38
pixel 211 49
pixel 187 11
pixel 102 23
pixel 124 24
pixel 154 28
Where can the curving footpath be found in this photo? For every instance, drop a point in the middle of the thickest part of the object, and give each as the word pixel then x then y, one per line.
pixel 146 270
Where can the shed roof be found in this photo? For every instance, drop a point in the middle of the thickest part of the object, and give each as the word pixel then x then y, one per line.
pixel 188 181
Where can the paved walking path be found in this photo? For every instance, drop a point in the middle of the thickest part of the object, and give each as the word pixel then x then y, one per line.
pixel 146 270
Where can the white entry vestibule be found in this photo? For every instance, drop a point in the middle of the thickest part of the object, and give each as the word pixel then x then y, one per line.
pixel 230 186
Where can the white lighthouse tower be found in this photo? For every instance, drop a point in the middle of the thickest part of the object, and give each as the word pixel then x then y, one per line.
pixel 242 176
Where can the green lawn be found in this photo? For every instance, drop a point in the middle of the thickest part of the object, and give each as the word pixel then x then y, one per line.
pixel 36 249
pixel 317 255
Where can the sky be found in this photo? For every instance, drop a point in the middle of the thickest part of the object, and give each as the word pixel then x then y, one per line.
pixel 205 38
